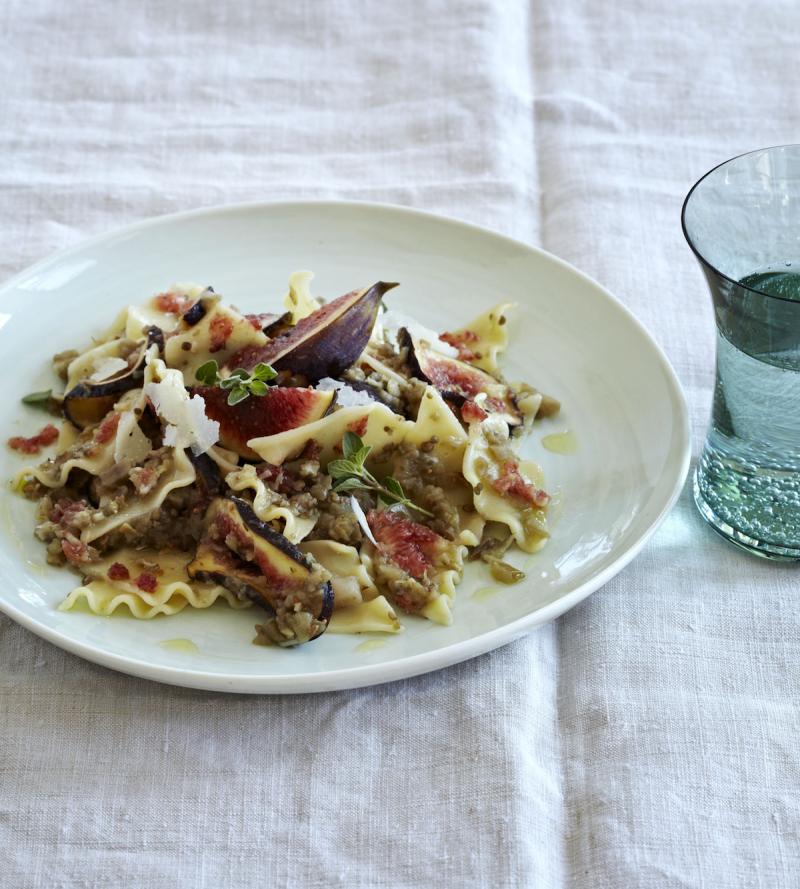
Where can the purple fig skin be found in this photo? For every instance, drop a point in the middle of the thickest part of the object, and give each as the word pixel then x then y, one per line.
pixel 156 335
pixel 195 314
pixel 87 403
pixel 209 478
pixel 326 342
pixel 278 324
pixel 254 523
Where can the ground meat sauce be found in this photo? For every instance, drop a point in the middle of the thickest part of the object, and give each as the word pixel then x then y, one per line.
pixel 33 445
pixel 429 484
pixel 76 552
pixel 63 521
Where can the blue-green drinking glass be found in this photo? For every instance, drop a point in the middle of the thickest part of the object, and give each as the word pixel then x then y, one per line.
pixel 742 220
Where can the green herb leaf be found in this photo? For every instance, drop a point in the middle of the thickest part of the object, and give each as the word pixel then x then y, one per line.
pixel 342 468
pixel 264 372
pixel 239 384
pixel 208 373
pixel 237 394
pixel 351 443
pixel 348 484
pixel 394 487
pixel 38 399
pixel 360 456
pixel 350 474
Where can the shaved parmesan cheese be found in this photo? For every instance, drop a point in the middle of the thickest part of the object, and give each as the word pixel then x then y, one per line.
pixel 131 443
pixel 187 423
pixel 362 520
pixel 107 367
pixel 392 321
pixel 346 396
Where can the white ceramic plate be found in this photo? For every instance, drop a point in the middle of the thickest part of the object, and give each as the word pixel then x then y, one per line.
pixel 569 337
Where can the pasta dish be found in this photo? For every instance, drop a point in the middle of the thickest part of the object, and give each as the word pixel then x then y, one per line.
pixel 331 466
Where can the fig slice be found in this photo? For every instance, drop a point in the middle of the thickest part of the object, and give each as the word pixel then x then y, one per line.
pixel 246 556
pixel 410 545
pixel 88 402
pixel 324 343
pixel 281 408
pixel 415 549
pixel 458 381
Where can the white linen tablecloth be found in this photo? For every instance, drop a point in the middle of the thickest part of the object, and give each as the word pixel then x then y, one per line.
pixel 650 737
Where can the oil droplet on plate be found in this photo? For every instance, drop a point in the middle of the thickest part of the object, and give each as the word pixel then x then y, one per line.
pixel 561 442
pixel 485 592
pixel 184 645
pixel 369 645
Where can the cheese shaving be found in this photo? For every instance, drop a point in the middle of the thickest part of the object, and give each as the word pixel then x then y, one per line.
pixel 362 520
pixel 187 423
pixel 392 321
pixel 346 396
pixel 107 368
pixel 130 443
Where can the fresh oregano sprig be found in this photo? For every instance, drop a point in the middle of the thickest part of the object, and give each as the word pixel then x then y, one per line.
pixel 240 384
pixel 350 474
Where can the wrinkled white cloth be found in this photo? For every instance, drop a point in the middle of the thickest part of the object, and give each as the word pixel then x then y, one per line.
pixel 650 737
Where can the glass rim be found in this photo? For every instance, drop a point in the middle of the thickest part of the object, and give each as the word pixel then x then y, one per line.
pixel 689 240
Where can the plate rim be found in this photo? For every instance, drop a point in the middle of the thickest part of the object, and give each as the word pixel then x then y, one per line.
pixel 402 667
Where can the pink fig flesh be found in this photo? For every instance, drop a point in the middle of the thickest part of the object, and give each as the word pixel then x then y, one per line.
pixel 458 381
pixel 280 409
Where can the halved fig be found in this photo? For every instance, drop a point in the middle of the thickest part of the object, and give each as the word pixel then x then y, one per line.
pixel 280 409
pixel 88 402
pixel 326 342
pixel 412 546
pixel 415 549
pixel 458 381
pixel 248 557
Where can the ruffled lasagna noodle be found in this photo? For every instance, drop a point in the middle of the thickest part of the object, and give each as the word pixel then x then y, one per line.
pixel 328 466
